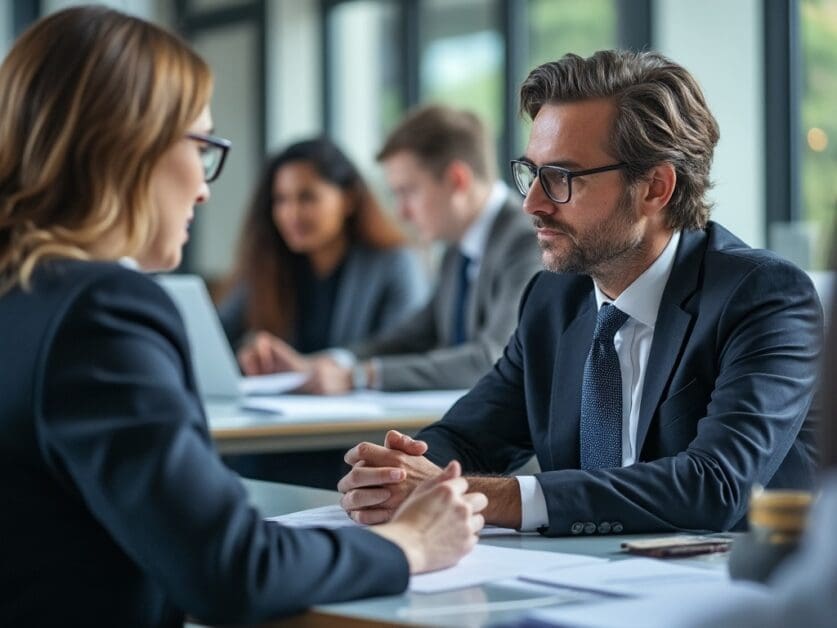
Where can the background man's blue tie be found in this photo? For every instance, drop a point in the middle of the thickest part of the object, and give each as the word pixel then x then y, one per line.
pixel 601 395
pixel 461 301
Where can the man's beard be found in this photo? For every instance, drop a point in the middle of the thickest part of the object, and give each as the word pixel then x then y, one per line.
pixel 590 253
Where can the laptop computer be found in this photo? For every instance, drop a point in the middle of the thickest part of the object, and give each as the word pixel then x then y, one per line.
pixel 213 361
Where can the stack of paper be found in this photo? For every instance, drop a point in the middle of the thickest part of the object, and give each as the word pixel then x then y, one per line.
pixel 335 517
pixel 487 563
pixel 324 517
pixel 315 406
pixel 694 606
pixel 273 384
pixel 633 576
pixel 484 564
pixel 358 405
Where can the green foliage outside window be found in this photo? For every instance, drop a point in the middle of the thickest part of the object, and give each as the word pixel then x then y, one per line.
pixel 557 27
pixel 819 116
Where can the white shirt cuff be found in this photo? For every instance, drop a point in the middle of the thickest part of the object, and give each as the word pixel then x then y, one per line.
pixel 533 513
pixel 343 357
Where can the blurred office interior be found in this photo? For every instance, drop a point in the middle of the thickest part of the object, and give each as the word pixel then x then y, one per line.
pixel 286 69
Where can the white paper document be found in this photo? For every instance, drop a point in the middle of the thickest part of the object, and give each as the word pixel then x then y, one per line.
pixel 273 384
pixel 434 401
pixel 323 517
pixel 315 407
pixel 358 405
pixel 487 563
pixel 633 576
pixel 692 606
pixel 335 517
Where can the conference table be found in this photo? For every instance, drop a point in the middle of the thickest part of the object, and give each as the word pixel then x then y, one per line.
pixel 487 604
pixel 309 423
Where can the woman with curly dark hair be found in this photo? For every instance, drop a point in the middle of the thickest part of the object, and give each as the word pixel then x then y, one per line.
pixel 319 264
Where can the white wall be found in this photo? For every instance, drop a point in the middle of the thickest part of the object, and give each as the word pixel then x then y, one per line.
pixel 293 111
pixel 720 42
pixel 141 8
pixel 230 52
pixel 148 9
pixel 5 28
pixel 294 66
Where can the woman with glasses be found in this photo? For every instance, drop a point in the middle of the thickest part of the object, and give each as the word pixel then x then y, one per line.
pixel 115 508
pixel 319 264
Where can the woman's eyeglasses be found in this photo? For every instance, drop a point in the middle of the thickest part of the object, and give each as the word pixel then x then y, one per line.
pixel 213 153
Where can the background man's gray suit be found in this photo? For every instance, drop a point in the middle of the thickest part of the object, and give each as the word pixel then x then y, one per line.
pixel 418 354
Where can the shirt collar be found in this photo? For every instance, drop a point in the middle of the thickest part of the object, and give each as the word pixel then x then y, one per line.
pixel 130 262
pixel 472 244
pixel 641 300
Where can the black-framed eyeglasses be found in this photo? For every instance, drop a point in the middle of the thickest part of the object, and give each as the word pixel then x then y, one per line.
pixel 213 153
pixel 557 182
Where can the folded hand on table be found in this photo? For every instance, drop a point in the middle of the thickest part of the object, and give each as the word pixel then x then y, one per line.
pixel 438 523
pixel 383 477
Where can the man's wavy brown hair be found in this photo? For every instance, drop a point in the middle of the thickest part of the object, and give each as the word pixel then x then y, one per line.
pixel 662 117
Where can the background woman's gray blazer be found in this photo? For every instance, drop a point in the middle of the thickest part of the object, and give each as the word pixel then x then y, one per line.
pixel 378 289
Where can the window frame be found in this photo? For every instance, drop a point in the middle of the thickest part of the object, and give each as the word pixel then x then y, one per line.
pixel 634 19
pixel 782 113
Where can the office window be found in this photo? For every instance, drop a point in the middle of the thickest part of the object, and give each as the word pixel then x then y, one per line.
pixel 209 5
pixel 557 27
pixel 364 75
pixel 385 56
pixel 818 26
pixel 462 56
pixel 230 51
pixel 231 37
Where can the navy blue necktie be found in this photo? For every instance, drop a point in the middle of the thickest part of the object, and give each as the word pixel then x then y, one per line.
pixel 601 395
pixel 461 301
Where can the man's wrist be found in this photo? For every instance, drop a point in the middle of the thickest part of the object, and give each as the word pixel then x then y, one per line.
pixel 504 507
pixel 363 376
pixel 343 357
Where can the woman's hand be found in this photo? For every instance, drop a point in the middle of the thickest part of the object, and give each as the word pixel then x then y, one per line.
pixel 439 523
pixel 264 353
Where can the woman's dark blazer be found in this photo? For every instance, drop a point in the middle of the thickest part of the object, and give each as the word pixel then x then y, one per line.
pixel 116 509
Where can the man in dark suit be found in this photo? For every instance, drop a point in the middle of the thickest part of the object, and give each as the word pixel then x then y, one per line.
pixel 439 163
pixel 660 366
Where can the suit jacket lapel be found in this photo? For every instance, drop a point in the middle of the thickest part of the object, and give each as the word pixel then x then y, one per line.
pixel 673 324
pixel 345 300
pixel 448 278
pixel 480 289
pixel 567 376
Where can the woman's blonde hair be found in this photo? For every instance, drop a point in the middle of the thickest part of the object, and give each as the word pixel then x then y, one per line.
pixel 90 99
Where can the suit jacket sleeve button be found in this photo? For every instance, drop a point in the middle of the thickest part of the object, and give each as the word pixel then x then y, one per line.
pixel 577 528
pixel 616 527
pixel 604 527
pixel 589 527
